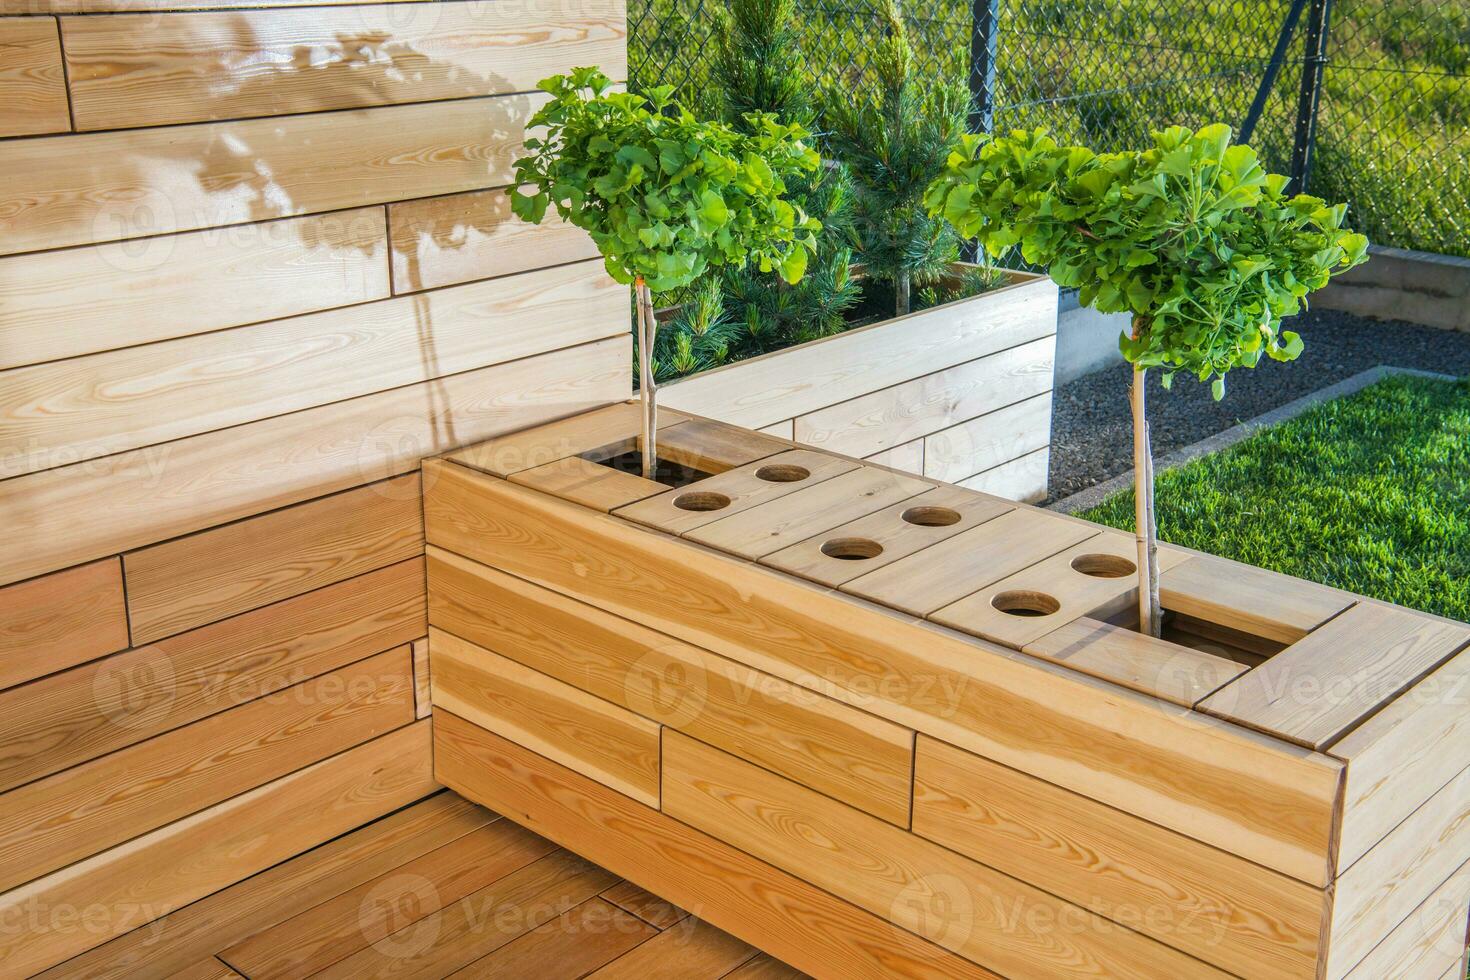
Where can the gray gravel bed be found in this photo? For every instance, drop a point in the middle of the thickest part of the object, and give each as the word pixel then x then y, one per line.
pixel 1092 430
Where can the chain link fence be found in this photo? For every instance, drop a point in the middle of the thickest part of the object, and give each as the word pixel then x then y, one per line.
pixel 1364 101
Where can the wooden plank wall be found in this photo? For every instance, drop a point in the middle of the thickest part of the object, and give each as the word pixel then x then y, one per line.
pixel 254 266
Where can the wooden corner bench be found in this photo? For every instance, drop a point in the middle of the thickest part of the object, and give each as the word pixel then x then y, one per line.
pixel 878 725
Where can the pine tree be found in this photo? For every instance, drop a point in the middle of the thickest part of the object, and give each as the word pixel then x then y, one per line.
pixel 895 143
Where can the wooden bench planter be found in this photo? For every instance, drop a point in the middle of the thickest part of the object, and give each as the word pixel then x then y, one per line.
pixel 960 392
pixel 883 726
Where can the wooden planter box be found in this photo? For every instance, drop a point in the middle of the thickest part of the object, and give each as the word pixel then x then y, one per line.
pixel 960 392
pixel 882 726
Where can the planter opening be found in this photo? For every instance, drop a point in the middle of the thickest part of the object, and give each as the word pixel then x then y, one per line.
pixel 1104 566
pixel 1026 603
pixel 931 516
pixel 701 500
pixel 782 473
pixel 851 549
pixel 671 473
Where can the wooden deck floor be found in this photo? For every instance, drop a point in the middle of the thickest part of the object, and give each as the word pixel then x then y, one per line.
pixel 443 888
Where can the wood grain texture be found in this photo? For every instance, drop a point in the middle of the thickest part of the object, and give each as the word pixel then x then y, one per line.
pixel 205 66
pixel 698 951
pixel 32 84
pixel 205 577
pixel 645 905
pixel 572 945
pixel 887 417
pixel 804 379
pixel 61 620
pixel 1257 797
pixel 1023 479
pixel 792 919
pixel 900 530
pixel 422 698
pixel 190 858
pixel 763 967
pixel 1252 600
pixel 1430 942
pixel 908 456
pixel 968 562
pixel 809 512
pixel 90 188
pixel 714 447
pixel 275 895
pixel 852 756
pixel 609 430
pixel 565 724
pixel 52 518
pixel 1320 687
pixel 441 241
pixel 88 711
pixel 343 925
pixel 49 823
pixel 589 484
pixel 1136 660
pixel 992 440
pixel 1401 871
pixel 944 897
pixel 1402 756
pixel 781 430
pixel 1241 917
pixel 112 402
pixel 77 301
pixel 207 969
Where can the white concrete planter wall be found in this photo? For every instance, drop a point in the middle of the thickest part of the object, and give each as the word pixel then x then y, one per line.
pixel 960 392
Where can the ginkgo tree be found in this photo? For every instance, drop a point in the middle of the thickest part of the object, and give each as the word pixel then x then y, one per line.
pixel 665 196
pixel 1191 237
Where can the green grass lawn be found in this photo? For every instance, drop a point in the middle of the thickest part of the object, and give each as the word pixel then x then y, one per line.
pixel 1369 493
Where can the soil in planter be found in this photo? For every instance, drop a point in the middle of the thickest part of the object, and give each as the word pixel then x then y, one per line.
pixel 667 471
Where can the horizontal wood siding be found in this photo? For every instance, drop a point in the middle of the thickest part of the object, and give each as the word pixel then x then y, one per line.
pixel 215 393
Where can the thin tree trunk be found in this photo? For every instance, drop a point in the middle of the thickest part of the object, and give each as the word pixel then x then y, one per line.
pixel 647 387
pixel 902 287
pixel 1150 615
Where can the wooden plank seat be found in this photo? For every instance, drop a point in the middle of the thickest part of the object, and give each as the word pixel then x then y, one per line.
pixel 932 708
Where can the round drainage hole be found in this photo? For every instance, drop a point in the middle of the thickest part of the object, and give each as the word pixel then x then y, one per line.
pixel 931 516
pixel 782 473
pixel 701 500
pixel 1104 566
pixel 1025 603
pixel 851 549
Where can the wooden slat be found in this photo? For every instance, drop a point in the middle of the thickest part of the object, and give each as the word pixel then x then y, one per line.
pixel 32 85
pixel 750 899
pixel 1023 479
pixel 862 760
pixel 209 576
pixel 346 923
pixel 1098 578
pixel 441 241
pixel 113 402
pixel 743 487
pixel 645 905
pixel 1182 770
pixel 1252 600
pixel 714 447
pixel 277 894
pixel 70 815
pixel 141 6
pixel 1400 872
pixel 589 484
pixel 1430 941
pixel 808 512
pixel 61 620
pixel 79 301
pixel 423 705
pixel 1320 687
pixel 614 428
pixel 100 187
pixel 186 860
pixel 694 951
pixel 763 967
pixel 941 513
pixel 101 707
pixel 53 521
pixel 206 969
pixel 887 417
pixel 992 440
pixel 597 738
pixel 1136 660
pixel 781 430
pixel 1225 910
pixel 1402 756
pixel 953 901
pixel 482 923
pixel 567 948
pixel 958 566
pixel 908 456
pixel 769 389
pixel 205 66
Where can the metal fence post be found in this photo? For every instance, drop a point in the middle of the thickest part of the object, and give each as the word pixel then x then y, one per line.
pixel 1314 59
pixel 984 26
